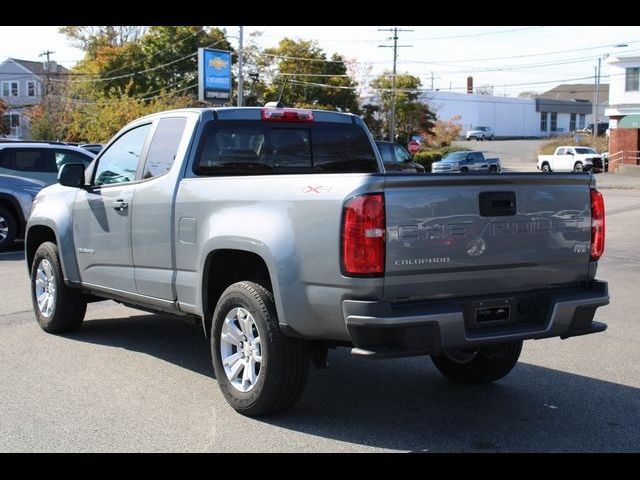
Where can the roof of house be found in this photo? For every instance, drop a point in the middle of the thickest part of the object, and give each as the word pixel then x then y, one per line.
pixel 38 67
pixel 577 92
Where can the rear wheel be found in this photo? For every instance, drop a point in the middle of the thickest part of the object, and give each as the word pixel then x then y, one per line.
pixel 478 365
pixel 259 370
pixel 58 308
pixel 8 228
pixel 578 167
pixel 546 168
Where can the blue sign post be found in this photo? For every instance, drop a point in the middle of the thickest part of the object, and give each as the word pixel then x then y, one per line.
pixel 214 76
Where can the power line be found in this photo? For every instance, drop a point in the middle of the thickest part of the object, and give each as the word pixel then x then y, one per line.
pixel 484 34
pixel 395 30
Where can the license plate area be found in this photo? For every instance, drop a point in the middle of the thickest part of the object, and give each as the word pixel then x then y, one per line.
pixel 483 314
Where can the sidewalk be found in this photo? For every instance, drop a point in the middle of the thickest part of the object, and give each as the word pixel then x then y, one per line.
pixel 617 181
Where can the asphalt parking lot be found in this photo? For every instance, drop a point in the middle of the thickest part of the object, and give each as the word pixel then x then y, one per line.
pixel 132 381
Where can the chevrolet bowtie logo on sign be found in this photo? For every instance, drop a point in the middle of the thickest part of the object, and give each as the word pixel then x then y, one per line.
pixel 217 63
pixel 214 76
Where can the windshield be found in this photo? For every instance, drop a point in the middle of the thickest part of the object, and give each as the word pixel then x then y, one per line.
pixel 482 129
pixel 585 150
pixel 455 157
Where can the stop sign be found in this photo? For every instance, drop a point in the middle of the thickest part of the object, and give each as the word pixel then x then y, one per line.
pixel 413 147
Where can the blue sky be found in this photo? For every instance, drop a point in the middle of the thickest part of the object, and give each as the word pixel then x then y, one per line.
pixel 551 54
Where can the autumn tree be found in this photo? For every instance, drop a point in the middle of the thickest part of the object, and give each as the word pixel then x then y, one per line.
pixel 412 115
pixel 313 80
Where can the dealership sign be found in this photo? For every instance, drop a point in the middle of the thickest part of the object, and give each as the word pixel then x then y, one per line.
pixel 214 76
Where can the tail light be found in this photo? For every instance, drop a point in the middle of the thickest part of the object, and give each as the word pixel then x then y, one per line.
pixel 597 225
pixel 363 226
pixel 286 115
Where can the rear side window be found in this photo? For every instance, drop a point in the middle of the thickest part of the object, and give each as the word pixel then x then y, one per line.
pixel 386 152
pixel 29 160
pixel 164 146
pixel 476 157
pixel 257 148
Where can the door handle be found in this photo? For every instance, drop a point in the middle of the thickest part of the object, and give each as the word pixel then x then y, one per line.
pixel 120 205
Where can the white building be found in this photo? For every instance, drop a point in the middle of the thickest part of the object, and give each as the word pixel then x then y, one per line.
pixel 508 116
pixel 624 110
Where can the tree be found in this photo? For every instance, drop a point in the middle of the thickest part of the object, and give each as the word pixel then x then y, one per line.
pixel 164 58
pixel 92 38
pixel 371 117
pixel 444 132
pixel 315 82
pixel 51 118
pixel 528 94
pixel 412 115
pixel 4 127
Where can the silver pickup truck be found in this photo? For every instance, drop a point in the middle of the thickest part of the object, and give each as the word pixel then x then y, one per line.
pixel 280 232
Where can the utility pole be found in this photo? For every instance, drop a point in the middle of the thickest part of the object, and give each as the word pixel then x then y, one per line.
pixel 240 85
pixel 595 100
pixel 45 83
pixel 395 46
pixel 431 81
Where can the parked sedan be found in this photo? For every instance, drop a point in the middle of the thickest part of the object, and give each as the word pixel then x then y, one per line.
pixel 397 159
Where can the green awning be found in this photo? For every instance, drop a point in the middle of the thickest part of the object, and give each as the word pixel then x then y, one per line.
pixel 630 121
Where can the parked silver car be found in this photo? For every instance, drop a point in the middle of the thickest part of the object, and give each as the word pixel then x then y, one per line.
pixel 16 197
pixel 481 133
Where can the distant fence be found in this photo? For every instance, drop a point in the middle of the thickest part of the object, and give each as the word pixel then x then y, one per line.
pixel 624 157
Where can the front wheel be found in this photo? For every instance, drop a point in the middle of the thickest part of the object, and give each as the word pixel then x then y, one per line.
pixel 58 308
pixel 8 228
pixel 478 365
pixel 259 370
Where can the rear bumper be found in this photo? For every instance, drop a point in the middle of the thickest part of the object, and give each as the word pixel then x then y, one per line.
pixel 382 329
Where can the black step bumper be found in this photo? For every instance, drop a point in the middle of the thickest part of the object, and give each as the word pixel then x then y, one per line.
pixel 385 330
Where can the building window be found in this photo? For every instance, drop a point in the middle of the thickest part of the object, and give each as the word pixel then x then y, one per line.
pixel 581 121
pixel 9 89
pixel 12 122
pixel 572 122
pixel 543 121
pixel 632 79
pixel 31 88
pixel 554 121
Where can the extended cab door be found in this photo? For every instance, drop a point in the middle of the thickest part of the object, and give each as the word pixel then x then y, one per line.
pixel 101 214
pixel 152 210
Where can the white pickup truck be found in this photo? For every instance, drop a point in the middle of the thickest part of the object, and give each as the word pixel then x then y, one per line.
pixel 571 159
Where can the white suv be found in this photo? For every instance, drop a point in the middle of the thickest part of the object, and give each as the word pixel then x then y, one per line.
pixel 480 133
pixel 39 160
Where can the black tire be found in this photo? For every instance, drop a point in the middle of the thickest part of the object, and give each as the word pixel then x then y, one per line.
pixel 70 304
pixel 8 228
pixel 483 365
pixel 464 169
pixel 578 167
pixel 482 138
pixel 546 168
pixel 285 360
pixel 493 168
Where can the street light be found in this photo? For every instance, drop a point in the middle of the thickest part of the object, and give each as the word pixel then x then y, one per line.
pixel 596 91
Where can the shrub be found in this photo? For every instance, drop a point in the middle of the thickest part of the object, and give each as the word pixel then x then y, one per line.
pixel 427 157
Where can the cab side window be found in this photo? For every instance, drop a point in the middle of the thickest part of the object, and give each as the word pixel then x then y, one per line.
pixel 164 146
pixel 120 162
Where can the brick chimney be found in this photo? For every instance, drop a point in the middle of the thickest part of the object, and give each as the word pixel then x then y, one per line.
pixel 469 85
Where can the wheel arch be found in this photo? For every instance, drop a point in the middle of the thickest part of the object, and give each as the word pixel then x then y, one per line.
pixel 13 205
pixel 237 264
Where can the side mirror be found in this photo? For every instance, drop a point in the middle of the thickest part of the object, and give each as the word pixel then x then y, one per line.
pixel 71 175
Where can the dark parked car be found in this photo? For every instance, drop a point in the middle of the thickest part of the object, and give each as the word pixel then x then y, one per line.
pixel 397 159
pixel 16 197
pixel 92 147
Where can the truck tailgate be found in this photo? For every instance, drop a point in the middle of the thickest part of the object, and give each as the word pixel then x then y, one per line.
pixel 453 235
